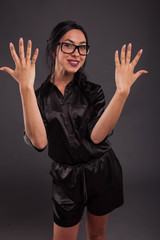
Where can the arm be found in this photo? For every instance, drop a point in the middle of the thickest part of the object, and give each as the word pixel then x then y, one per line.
pixel 24 74
pixel 34 126
pixel 124 78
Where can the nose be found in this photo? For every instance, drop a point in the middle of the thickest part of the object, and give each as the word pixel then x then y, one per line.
pixel 75 53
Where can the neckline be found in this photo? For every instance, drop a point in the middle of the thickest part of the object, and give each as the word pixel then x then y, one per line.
pixel 52 83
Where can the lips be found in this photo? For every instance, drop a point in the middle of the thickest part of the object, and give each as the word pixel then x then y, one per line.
pixel 73 63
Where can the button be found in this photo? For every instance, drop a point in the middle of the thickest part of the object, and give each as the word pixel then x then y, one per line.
pixel 67 123
pixel 61 101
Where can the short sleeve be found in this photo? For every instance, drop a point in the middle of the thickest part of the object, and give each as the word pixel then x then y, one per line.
pixel 28 142
pixel 41 109
pixel 98 109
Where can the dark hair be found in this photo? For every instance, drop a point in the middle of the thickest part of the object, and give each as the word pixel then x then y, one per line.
pixel 58 31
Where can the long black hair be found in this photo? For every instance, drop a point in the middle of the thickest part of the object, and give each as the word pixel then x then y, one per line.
pixel 57 33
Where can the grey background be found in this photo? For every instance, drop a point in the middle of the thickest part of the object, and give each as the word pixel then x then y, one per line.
pixel 25 183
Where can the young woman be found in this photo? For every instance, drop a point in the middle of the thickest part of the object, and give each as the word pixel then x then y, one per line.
pixel 68 113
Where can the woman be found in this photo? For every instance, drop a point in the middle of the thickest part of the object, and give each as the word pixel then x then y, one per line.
pixel 68 113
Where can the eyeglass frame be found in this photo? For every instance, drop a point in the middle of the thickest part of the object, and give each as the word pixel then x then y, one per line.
pixel 75 47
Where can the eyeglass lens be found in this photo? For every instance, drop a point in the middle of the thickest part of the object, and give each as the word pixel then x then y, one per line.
pixel 69 48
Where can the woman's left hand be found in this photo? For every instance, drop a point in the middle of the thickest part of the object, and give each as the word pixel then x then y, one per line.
pixel 124 73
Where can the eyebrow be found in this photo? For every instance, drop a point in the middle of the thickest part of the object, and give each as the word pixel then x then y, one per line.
pixel 73 41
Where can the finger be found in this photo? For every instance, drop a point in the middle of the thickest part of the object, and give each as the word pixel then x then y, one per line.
pixel 8 70
pixel 13 53
pixel 29 49
pixel 117 63
pixel 34 58
pixel 139 73
pixel 123 54
pixel 136 59
pixel 128 56
pixel 21 49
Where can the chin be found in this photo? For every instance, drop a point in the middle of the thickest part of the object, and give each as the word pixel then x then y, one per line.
pixel 72 70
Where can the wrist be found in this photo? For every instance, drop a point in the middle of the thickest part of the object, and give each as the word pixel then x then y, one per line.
pixel 123 93
pixel 25 88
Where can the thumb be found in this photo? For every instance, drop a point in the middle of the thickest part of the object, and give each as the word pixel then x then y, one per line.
pixel 8 70
pixel 139 73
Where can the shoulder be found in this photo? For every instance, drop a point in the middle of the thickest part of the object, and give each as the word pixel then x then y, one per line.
pixel 43 90
pixel 91 85
pixel 93 90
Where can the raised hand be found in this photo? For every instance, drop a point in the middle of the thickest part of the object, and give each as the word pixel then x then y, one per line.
pixel 24 72
pixel 124 73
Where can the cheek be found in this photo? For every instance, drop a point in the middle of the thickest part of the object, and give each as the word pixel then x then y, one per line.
pixel 62 58
pixel 83 60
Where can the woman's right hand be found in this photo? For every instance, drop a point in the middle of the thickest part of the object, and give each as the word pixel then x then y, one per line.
pixel 24 72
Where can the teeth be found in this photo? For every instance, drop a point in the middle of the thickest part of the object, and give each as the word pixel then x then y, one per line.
pixel 73 62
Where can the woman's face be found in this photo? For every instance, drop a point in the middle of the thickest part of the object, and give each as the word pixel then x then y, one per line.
pixel 70 62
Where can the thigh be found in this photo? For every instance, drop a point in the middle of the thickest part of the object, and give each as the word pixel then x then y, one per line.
pixel 65 233
pixel 67 215
pixel 96 225
pixel 105 185
pixel 67 195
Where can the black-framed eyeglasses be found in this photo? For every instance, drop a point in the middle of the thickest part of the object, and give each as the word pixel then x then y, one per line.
pixel 70 48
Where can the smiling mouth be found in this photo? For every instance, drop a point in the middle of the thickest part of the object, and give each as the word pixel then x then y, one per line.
pixel 73 62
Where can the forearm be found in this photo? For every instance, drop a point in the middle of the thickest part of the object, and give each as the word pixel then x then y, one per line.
pixel 33 122
pixel 109 118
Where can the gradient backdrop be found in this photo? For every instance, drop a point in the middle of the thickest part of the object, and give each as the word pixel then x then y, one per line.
pixel 25 183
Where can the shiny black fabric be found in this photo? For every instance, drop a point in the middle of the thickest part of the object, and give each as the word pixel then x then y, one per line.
pixel 97 184
pixel 83 173
pixel 63 117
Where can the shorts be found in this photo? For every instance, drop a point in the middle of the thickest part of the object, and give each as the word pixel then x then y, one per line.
pixel 97 185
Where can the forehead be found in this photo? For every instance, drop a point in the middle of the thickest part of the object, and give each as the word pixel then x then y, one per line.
pixel 75 35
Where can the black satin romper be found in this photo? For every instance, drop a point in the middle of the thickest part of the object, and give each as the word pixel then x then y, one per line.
pixel 83 173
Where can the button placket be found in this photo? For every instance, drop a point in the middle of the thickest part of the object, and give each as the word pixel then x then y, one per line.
pixel 67 121
pixel 67 118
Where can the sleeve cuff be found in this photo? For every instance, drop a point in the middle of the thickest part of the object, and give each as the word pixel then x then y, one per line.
pixel 29 143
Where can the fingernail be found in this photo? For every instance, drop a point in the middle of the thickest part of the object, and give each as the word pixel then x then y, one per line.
pixel 11 44
pixel 124 45
pixel 130 44
pixel 21 39
pixel 141 50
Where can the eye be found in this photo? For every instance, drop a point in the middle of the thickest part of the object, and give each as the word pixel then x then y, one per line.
pixel 83 47
pixel 67 45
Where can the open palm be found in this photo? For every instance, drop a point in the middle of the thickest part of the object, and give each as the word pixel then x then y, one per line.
pixel 124 73
pixel 24 72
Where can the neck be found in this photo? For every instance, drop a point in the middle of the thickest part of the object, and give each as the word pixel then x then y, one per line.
pixel 62 77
